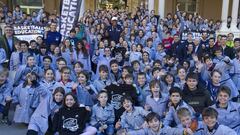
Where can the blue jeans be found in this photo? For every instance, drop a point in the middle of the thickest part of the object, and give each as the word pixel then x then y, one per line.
pixel 108 131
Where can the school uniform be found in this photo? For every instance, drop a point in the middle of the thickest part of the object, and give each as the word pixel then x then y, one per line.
pixel 226 80
pixel 14 61
pixel 22 71
pixel 162 131
pixel 40 118
pixel 85 96
pixel 235 72
pixel 5 91
pixel 3 56
pixel 219 130
pixel 133 120
pixel 135 56
pixel 101 60
pixel 23 57
pixel 50 86
pixel 229 116
pixel 67 86
pixel 101 84
pixel 103 115
pixel 158 106
pixel 115 77
pixel 159 55
pixel 70 57
pixel 143 91
pixel 27 99
pixel 199 129
pixel 171 116
pixel 54 61
pixel 85 60
pixel 213 90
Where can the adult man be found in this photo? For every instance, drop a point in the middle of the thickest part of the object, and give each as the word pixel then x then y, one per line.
pixel 7 41
pixel 114 30
pixel 52 36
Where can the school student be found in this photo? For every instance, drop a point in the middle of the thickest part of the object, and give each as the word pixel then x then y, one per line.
pixel 49 81
pixel 5 95
pixel 65 81
pixel 175 104
pixel 24 69
pixel 156 102
pixel 195 94
pixel 115 72
pixel 191 125
pixel 155 127
pixel 14 59
pixel 85 91
pixel 103 80
pixel 214 84
pixel 143 87
pixel 211 126
pixel 42 116
pixel 103 115
pixel 77 68
pixel 72 119
pixel 229 112
pixel 133 116
pixel 27 97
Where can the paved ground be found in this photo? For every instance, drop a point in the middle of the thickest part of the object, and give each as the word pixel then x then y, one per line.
pixel 14 129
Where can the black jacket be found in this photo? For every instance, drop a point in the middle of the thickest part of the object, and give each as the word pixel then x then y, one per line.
pixel 198 99
pixel 70 121
pixel 116 93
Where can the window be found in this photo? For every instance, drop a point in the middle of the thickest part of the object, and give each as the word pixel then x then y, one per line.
pixel 110 4
pixel 189 6
pixel 29 5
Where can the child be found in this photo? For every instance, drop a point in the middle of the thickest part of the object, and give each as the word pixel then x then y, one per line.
pixel 133 117
pixel 83 56
pixel 42 116
pixel 49 81
pixel 55 56
pixel 86 92
pixel 61 62
pixel 134 54
pixel 160 53
pixel 143 87
pixel 68 53
pixel 102 59
pixel 136 68
pixel 27 98
pixel 169 82
pixel 229 112
pixel 103 115
pixel 157 102
pixel 236 69
pixel 14 59
pixel 212 127
pixel 195 94
pixel 115 72
pixel 181 77
pixel 214 84
pixel 103 80
pixel 72 119
pixel 65 81
pixel 125 70
pixel 24 52
pixel 155 127
pixel 24 69
pixel 192 126
pixel 175 104
pixel 77 68
pixel 5 95
pixel 47 61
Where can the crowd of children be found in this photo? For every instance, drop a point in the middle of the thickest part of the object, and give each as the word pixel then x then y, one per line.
pixel 125 74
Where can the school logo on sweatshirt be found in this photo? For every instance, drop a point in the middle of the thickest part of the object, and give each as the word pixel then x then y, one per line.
pixel 70 124
pixel 116 101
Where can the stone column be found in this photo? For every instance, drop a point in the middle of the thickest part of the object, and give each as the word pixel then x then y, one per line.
pixel 150 5
pixel 225 5
pixel 235 7
pixel 161 8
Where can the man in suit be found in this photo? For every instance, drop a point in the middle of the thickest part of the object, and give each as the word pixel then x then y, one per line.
pixel 7 41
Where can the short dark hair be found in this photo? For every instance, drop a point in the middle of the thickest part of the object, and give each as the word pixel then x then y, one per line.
pixel 209 112
pixel 224 89
pixel 47 57
pixel 113 61
pixel 103 68
pixel 24 42
pixel 151 116
pixel 175 90
pixel 192 75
